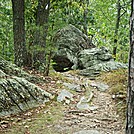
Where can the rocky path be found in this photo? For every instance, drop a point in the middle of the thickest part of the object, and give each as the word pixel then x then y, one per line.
pixel 84 107
pixel 97 116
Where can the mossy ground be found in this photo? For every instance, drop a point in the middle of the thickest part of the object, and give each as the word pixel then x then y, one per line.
pixel 37 121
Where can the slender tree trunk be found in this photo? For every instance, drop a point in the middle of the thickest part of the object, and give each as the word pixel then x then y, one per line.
pixel 85 17
pixel 41 33
pixel 19 32
pixel 130 101
pixel 116 29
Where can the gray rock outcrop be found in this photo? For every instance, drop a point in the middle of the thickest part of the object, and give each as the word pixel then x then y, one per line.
pixel 91 57
pixel 69 42
pixel 104 66
pixel 74 51
pixel 93 61
pixel 17 92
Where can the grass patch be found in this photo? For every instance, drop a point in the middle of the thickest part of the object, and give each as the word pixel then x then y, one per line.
pixel 117 80
pixel 42 122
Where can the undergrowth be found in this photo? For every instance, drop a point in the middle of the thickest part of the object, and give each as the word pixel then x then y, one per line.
pixel 117 80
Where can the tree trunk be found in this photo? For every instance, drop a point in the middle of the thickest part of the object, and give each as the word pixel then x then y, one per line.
pixel 130 101
pixel 85 18
pixel 19 32
pixel 41 33
pixel 116 29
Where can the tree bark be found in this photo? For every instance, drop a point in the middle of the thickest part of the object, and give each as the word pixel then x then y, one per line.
pixel 130 101
pixel 116 29
pixel 85 18
pixel 41 33
pixel 20 52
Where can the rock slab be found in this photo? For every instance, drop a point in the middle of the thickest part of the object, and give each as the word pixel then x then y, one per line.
pixel 17 92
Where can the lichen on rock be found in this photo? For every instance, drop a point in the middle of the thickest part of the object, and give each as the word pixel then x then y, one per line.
pixel 69 41
pixel 17 94
pixel 74 51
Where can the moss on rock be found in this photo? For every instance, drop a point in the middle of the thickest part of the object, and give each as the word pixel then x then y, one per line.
pixel 17 92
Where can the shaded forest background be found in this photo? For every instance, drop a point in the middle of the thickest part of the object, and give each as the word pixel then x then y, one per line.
pixel 105 22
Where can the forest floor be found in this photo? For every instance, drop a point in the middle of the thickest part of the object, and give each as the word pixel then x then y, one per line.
pixel 105 115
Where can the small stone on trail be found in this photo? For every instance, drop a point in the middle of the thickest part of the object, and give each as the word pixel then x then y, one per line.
pixel 86 99
pixel 83 104
pixel 65 96
pixel 100 86
pixel 88 132
pixel 74 87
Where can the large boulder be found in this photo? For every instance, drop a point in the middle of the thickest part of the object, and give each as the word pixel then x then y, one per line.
pixel 91 57
pixel 103 66
pixel 69 42
pixel 74 51
pixel 93 61
pixel 17 92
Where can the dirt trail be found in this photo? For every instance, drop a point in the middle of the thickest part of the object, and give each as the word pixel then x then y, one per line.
pixel 104 119
pixel 59 118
